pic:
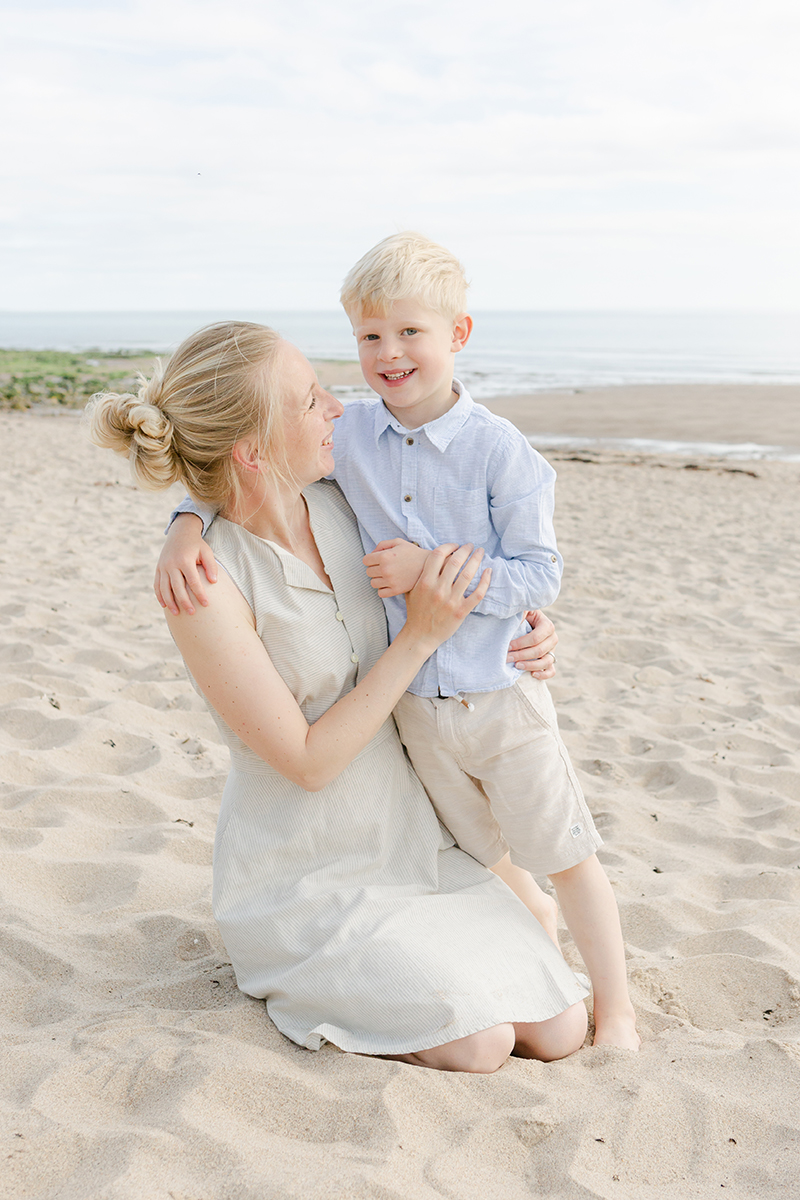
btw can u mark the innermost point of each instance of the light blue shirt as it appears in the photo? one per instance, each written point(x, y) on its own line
point(469, 476)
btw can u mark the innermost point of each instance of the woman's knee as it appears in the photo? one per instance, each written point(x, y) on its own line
point(557, 1038)
point(479, 1053)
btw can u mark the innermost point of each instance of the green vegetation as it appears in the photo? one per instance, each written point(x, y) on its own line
point(55, 377)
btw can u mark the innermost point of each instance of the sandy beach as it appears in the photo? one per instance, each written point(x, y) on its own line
point(132, 1066)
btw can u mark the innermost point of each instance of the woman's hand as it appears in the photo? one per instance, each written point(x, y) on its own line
point(437, 603)
point(231, 667)
point(176, 570)
point(535, 651)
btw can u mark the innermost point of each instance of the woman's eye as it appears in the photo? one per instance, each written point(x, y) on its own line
point(313, 402)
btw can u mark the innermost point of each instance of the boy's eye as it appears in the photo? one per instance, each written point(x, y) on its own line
point(410, 330)
point(370, 337)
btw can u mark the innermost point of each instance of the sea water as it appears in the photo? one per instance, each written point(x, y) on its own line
point(510, 353)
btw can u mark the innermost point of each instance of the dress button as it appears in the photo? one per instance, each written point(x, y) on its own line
point(339, 616)
point(407, 499)
point(353, 658)
point(409, 441)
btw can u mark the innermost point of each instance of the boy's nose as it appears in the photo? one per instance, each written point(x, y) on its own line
point(390, 350)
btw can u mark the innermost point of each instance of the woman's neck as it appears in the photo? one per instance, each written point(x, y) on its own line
point(279, 514)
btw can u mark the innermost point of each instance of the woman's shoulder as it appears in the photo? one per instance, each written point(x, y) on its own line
point(327, 498)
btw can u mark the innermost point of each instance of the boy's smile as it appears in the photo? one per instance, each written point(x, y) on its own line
point(407, 358)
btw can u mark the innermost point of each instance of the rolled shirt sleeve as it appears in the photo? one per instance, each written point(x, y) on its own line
point(188, 505)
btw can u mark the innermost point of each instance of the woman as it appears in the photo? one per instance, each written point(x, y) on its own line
point(339, 897)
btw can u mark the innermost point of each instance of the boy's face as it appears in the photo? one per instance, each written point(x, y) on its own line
point(407, 358)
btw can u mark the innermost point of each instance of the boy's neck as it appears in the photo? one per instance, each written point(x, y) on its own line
point(430, 410)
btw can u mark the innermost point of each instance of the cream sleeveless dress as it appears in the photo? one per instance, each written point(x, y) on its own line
point(350, 910)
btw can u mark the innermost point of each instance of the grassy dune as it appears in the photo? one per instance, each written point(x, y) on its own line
point(55, 377)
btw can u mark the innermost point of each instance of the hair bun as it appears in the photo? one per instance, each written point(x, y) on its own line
point(148, 421)
point(139, 429)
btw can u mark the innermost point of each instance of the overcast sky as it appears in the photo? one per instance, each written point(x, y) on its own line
point(576, 154)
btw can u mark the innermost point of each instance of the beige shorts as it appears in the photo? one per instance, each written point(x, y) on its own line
point(500, 777)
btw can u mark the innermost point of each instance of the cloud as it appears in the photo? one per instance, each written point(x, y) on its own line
point(155, 144)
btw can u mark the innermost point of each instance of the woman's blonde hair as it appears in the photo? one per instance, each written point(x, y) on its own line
point(402, 267)
point(218, 387)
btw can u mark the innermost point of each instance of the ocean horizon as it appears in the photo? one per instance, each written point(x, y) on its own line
point(510, 353)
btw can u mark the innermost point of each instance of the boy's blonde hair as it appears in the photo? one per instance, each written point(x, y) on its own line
point(403, 266)
point(218, 387)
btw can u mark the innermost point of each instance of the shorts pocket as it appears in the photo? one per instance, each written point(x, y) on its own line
point(534, 694)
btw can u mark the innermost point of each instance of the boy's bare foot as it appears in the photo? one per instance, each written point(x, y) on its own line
point(618, 1030)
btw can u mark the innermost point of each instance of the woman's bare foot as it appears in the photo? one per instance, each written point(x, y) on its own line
point(617, 1030)
point(524, 886)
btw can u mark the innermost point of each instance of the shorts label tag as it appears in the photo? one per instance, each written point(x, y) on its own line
point(576, 830)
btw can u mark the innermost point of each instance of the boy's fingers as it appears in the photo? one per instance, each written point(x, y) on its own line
point(182, 598)
point(208, 562)
point(166, 597)
point(195, 583)
point(388, 544)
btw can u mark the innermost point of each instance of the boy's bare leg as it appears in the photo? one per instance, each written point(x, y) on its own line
point(590, 911)
point(523, 885)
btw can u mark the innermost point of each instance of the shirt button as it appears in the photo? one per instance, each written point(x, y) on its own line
point(409, 441)
point(407, 499)
point(339, 616)
point(353, 658)
point(553, 558)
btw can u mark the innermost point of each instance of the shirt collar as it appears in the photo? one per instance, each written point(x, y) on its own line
point(440, 432)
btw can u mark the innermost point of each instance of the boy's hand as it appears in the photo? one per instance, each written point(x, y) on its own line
point(395, 566)
point(176, 570)
point(534, 651)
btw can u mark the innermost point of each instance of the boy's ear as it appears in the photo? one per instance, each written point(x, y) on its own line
point(246, 454)
point(462, 328)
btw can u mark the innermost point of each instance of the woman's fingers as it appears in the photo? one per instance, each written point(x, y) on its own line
point(456, 567)
point(446, 561)
point(480, 590)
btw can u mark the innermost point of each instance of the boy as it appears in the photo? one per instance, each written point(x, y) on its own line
point(428, 466)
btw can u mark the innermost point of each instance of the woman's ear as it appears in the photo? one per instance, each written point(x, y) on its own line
point(247, 455)
point(462, 328)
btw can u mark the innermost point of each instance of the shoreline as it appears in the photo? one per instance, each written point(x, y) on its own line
point(746, 413)
point(710, 419)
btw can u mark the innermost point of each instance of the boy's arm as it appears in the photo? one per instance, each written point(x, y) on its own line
point(526, 572)
point(184, 549)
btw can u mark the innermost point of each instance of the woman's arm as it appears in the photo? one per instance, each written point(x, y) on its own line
point(233, 670)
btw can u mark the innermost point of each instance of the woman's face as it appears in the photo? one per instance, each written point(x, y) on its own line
point(309, 413)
